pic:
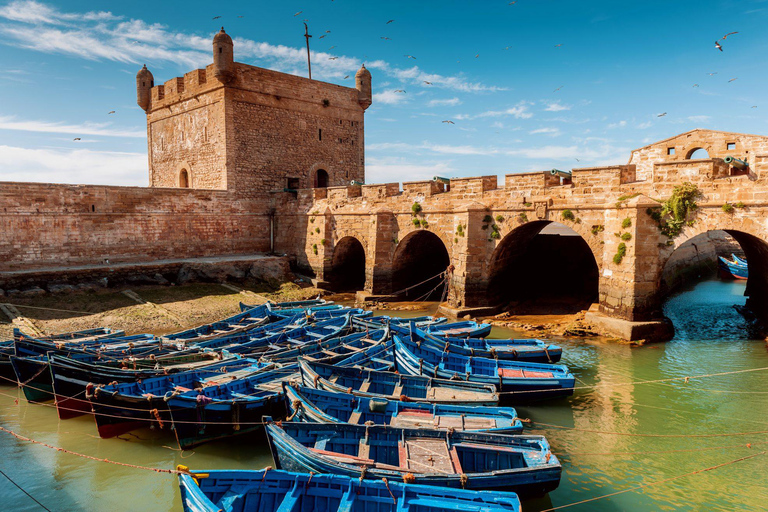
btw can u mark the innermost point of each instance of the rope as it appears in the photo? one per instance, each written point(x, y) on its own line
point(643, 486)
point(418, 284)
point(33, 498)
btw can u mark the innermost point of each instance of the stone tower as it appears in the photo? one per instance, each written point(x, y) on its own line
point(252, 131)
point(144, 83)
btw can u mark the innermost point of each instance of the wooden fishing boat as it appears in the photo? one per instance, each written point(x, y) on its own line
point(328, 349)
point(375, 322)
point(86, 334)
point(72, 378)
point(519, 381)
point(469, 460)
point(25, 345)
point(221, 409)
point(392, 386)
point(733, 269)
point(241, 322)
point(464, 329)
point(241, 341)
point(532, 350)
point(320, 406)
point(123, 407)
point(270, 490)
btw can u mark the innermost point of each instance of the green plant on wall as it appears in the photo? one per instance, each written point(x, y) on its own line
point(495, 234)
point(740, 204)
point(416, 222)
point(314, 248)
point(626, 223)
point(460, 230)
point(620, 253)
point(599, 228)
point(626, 237)
point(317, 230)
point(568, 215)
point(499, 219)
point(487, 219)
point(523, 217)
point(728, 208)
point(322, 242)
point(415, 208)
point(424, 223)
point(677, 211)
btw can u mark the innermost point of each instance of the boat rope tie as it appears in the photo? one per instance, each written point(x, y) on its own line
point(296, 404)
point(362, 473)
point(386, 484)
point(264, 477)
point(317, 377)
point(173, 394)
point(184, 470)
point(44, 368)
point(156, 414)
point(89, 393)
point(493, 353)
point(409, 478)
point(404, 398)
point(549, 359)
point(463, 479)
point(309, 480)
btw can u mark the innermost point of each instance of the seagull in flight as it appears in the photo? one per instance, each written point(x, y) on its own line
point(476, 56)
point(710, 74)
point(332, 58)
point(298, 13)
point(512, 3)
point(662, 114)
point(558, 88)
point(332, 47)
point(76, 138)
point(507, 48)
point(216, 17)
point(390, 21)
point(718, 45)
point(241, 16)
point(346, 77)
point(400, 90)
point(449, 122)
point(410, 57)
point(695, 85)
point(754, 106)
point(732, 79)
point(428, 83)
point(386, 38)
point(322, 36)
point(111, 112)
point(728, 34)
point(558, 45)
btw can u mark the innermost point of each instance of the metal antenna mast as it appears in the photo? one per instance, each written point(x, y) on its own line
point(307, 36)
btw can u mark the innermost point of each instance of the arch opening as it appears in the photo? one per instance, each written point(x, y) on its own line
point(705, 297)
point(421, 255)
point(543, 267)
point(184, 179)
point(347, 271)
point(321, 178)
point(697, 154)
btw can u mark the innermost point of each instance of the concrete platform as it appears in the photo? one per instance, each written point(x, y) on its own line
point(651, 331)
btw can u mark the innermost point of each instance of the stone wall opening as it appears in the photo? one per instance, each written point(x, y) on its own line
point(541, 267)
point(420, 256)
point(321, 178)
point(697, 154)
point(184, 179)
point(710, 303)
point(347, 272)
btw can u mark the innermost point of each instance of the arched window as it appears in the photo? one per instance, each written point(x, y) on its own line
point(321, 179)
point(184, 179)
point(698, 154)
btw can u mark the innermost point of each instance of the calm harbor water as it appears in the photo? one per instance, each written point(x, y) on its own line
point(617, 433)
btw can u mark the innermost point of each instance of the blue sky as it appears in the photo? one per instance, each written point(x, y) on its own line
point(518, 102)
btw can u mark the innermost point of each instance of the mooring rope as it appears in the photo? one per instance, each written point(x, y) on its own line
point(25, 492)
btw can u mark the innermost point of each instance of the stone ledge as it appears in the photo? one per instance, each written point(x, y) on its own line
point(449, 311)
point(653, 331)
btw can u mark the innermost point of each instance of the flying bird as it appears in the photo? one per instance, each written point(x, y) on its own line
point(332, 47)
point(507, 48)
point(512, 3)
point(662, 114)
point(298, 13)
point(710, 74)
point(476, 56)
point(216, 17)
point(327, 31)
point(400, 90)
point(390, 21)
point(385, 38)
point(449, 122)
point(754, 106)
point(695, 85)
point(410, 57)
point(111, 112)
point(346, 77)
point(332, 58)
point(241, 16)
point(322, 36)
point(558, 45)
point(732, 79)
point(76, 138)
point(728, 34)
point(718, 45)
point(558, 88)
point(428, 83)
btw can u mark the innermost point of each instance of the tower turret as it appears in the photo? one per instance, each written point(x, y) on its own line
point(223, 57)
point(144, 83)
point(364, 87)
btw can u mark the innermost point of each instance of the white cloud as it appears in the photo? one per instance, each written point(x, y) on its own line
point(645, 125)
point(620, 124)
point(546, 131)
point(450, 102)
point(73, 166)
point(699, 119)
point(520, 111)
point(104, 36)
point(398, 170)
point(389, 97)
point(102, 129)
point(555, 106)
point(430, 147)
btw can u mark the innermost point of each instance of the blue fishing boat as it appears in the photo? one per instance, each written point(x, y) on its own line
point(534, 351)
point(320, 406)
point(466, 329)
point(374, 322)
point(270, 490)
point(241, 322)
point(393, 386)
point(122, 407)
point(95, 333)
point(328, 349)
point(733, 269)
point(519, 381)
point(468, 460)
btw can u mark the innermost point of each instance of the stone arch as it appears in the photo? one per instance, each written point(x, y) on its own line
point(316, 174)
point(347, 265)
point(697, 153)
point(184, 170)
point(419, 256)
point(184, 178)
point(559, 267)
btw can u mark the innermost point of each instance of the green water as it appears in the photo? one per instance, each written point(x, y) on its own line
point(711, 337)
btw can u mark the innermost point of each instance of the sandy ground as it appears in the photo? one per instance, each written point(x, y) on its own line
point(166, 308)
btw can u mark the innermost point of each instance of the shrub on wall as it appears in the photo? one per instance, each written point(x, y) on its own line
point(626, 223)
point(415, 208)
point(568, 215)
point(620, 253)
point(728, 208)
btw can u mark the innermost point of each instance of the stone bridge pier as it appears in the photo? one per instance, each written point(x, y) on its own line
point(588, 236)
